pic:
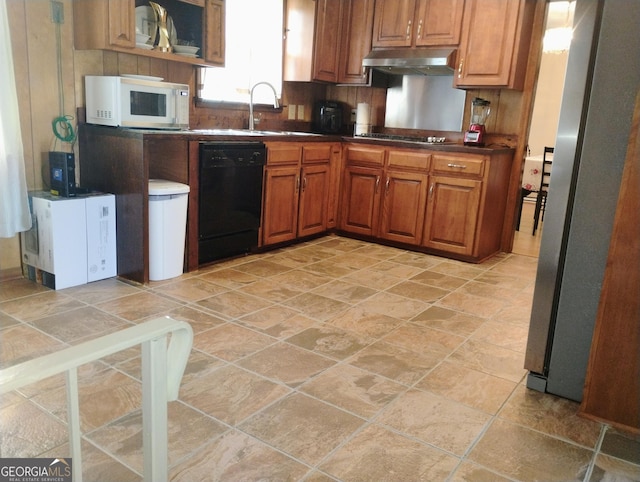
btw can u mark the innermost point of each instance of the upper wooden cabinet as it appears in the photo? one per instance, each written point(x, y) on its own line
point(326, 50)
point(357, 25)
point(496, 36)
point(417, 23)
point(111, 25)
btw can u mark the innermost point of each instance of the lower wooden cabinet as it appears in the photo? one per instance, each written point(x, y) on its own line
point(452, 214)
point(450, 203)
point(361, 200)
point(403, 206)
point(297, 189)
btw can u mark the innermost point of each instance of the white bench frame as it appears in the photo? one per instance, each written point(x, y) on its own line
point(162, 370)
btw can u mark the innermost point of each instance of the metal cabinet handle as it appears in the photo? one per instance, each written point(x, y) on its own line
point(408, 29)
point(460, 65)
point(297, 184)
point(386, 186)
point(377, 183)
point(420, 29)
point(304, 183)
point(431, 190)
point(456, 166)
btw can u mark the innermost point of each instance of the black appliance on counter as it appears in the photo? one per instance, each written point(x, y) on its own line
point(230, 198)
point(327, 117)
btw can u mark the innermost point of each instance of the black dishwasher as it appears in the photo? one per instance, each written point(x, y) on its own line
point(230, 198)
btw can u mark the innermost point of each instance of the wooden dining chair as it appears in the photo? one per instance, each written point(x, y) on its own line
point(541, 198)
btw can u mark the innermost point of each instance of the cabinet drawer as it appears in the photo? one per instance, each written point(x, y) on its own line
point(364, 155)
point(315, 154)
point(465, 166)
point(283, 153)
point(410, 159)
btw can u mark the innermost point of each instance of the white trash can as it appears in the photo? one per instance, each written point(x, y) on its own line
point(167, 228)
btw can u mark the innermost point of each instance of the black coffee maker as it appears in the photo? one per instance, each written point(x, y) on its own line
point(327, 117)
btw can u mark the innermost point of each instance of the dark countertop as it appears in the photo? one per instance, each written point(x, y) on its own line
point(288, 136)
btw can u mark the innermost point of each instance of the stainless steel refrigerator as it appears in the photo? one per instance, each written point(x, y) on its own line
point(602, 80)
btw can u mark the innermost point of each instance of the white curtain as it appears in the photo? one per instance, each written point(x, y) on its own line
point(14, 202)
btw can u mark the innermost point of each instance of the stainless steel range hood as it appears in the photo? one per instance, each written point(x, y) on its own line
point(422, 61)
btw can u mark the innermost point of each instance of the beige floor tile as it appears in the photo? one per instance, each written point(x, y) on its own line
point(81, 323)
point(229, 278)
point(199, 320)
point(470, 472)
point(285, 328)
point(379, 251)
point(417, 260)
point(353, 389)
point(6, 321)
point(28, 431)
point(315, 306)
point(302, 427)
point(230, 341)
point(103, 290)
point(262, 268)
point(524, 454)
point(268, 317)
point(232, 304)
point(329, 268)
point(18, 288)
point(394, 362)
point(97, 466)
point(372, 278)
point(435, 420)
point(503, 280)
point(231, 394)
point(471, 304)
point(103, 397)
point(421, 339)
point(39, 305)
point(299, 280)
point(609, 468)
point(186, 429)
point(287, 364)
point(623, 445)
point(20, 343)
point(418, 291)
point(138, 306)
point(396, 269)
point(394, 305)
point(491, 359)
point(377, 454)
point(448, 320)
point(330, 341)
point(270, 290)
point(367, 323)
point(439, 280)
point(507, 335)
point(470, 387)
point(237, 457)
point(344, 291)
point(459, 270)
point(551, 415)
point(488, 290)
point(190, 289)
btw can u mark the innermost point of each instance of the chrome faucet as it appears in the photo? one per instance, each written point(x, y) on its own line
point(276, 104)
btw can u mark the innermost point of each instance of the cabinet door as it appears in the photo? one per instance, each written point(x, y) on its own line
point(314, 196)
point(393, 23)
point(439, 22)
point(357, 29)
point(122, 23)
point(361, 200)
point(452, 214)
point(326, 51)
point(280, 206)
point(214, 45)
point(488, 44)
point(403, 206)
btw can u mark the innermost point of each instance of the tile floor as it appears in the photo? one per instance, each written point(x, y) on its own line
point(334, 359)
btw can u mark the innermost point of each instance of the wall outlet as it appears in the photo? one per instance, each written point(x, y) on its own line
point(353, 116)
point(301, 112)
point(57, 12)
point(292, 112)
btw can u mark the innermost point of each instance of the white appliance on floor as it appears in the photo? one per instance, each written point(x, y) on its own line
point(72, 240)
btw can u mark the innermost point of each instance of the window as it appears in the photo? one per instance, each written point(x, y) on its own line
point(254, 30)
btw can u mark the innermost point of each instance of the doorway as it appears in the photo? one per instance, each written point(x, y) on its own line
point(546, 112)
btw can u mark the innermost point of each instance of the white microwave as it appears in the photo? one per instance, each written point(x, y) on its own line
point(136, 101)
